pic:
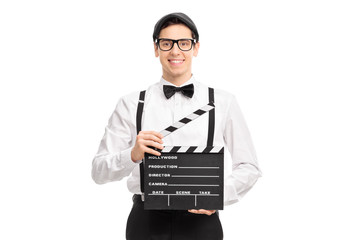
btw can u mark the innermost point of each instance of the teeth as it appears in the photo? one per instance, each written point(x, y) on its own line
point(176, 61)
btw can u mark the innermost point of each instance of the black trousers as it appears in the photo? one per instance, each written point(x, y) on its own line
point(171, 224)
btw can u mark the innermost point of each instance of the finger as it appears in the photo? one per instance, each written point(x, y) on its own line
point(149, 143)
point(202, 211)
point(152, 151)
point(207, 211)
point(195, 211)
point(157, 134)
point(151, 137)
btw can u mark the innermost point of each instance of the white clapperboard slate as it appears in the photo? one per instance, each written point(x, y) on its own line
point(185, 177)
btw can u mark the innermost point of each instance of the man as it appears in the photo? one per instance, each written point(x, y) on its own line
point(176, 42)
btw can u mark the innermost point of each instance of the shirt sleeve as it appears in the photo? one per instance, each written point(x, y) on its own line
point(245, 169)
point(113, 159)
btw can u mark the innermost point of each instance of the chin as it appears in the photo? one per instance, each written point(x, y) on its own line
point(177, 74)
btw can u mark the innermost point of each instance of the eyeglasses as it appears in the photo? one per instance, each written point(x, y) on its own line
point(166, 44)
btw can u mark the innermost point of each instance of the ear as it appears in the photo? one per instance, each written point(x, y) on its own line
point(196, 49)
point(156, 49)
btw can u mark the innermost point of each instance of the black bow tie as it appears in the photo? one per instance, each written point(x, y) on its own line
point(187, 90)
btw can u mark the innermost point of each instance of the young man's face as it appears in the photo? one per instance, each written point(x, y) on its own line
point(176, 64)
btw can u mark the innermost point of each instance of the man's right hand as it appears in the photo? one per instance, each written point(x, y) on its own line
point(144, 140)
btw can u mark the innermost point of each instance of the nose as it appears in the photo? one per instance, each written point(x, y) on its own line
point(175, 50)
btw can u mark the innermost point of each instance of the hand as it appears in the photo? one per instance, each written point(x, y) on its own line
point(202, 211)
point(144, 140)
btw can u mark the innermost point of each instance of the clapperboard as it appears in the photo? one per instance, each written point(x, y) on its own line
point(185, 177)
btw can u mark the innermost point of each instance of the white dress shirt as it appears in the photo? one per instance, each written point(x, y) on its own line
point(113, 160)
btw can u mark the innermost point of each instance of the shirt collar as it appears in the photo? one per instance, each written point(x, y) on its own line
point(165, 82)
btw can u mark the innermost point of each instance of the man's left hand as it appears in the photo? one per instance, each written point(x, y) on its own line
point(202, 211)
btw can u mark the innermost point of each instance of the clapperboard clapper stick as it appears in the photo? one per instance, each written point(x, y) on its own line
point(175, 126)
point(185, 177)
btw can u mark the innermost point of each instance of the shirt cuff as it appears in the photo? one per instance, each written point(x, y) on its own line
point(125, 157)
point(231, 196)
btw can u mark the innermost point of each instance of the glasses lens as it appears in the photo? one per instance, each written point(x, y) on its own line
point(165, 44)
point(185, 44)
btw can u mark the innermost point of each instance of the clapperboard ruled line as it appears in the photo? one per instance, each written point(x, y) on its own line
point(192, 176)
point(192, 185)
point(184, 177)
point(200, 167)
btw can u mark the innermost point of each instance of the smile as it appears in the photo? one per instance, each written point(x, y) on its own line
point(176, 61)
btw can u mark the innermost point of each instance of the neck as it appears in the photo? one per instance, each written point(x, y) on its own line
point(177, 80)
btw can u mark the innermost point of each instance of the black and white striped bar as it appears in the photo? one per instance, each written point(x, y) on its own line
point(192, 149)
point(175, 126)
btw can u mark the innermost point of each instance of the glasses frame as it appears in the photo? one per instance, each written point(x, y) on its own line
point(173, 43)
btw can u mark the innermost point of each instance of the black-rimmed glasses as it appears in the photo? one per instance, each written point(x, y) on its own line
point(166, 44)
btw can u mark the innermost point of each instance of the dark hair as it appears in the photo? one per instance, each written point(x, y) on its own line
point(174, 21)
point(175, 18)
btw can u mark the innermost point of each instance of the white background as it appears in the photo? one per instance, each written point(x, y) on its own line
point(293, 65)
